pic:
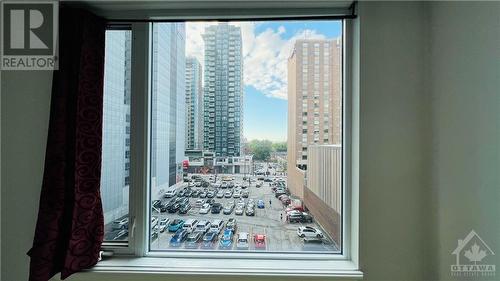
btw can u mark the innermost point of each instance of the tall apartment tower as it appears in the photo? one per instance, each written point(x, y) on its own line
point(194, 104)
point(115, 173)
point(223, 90)
point(314, 102)
point(168, 104)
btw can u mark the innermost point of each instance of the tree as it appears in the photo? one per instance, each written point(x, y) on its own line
point(280, 146)
point(261, 149)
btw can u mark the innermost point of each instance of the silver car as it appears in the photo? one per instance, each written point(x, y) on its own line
point(242, 242)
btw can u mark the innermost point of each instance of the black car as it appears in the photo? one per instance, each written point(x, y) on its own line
point(174, 207)
point(210, 201)
point(156, 204)
point(188, 193)
point(250, 212)
point(216, 208)
point(184, 208)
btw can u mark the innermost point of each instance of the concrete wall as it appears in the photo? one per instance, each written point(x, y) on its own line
point(428, 170)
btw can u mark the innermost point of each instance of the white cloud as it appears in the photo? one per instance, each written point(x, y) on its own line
point(265, 54)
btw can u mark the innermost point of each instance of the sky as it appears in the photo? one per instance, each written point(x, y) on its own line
point(266, 48)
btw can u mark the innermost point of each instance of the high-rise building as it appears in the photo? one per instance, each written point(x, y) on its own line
point(314, 103)
point(194, 104)
point(168, 104)
point(115, 164)
point(223, 90)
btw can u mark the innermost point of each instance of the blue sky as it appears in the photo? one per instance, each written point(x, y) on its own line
point(266, 48)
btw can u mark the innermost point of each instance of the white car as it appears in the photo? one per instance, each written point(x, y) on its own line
point(164, 224)
point(308, 231)
point(242, 242)
point(205, 208)
point(220, 194)
point(120, 224)
point(239, 210)
point(203, 226)
point(237, 194)
point(199, 203)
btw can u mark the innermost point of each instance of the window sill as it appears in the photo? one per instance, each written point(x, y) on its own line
point(236, 267)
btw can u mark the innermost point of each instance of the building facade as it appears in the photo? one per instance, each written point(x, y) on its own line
point(194, 104)
point(323, 188)
point(115, 163)
point(168, 105)
point(314, 102)
point(223, 90)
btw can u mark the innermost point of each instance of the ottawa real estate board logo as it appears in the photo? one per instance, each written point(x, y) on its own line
point(29, 35)
point(471, 257)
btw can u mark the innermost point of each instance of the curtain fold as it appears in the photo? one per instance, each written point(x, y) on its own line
point(70, 226)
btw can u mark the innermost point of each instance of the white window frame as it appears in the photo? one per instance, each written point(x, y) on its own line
point(135, 256)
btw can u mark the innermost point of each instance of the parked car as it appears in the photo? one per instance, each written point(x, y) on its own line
point(211, 201)
point(190, 225)
point(228, 194)
point(294, 208)
point(259, 241)
point(228, 209)
point(297, 216)
point(216, 226)
point(211, 194)
point(237, 194)
point(260, 204)
point(156, 204)
point(154, 234)
point(242, 242)
point(175, 225)
point(170, 193)
point(193, 239)
point(258, 185)
point(154, 222)
point(244, 194)
point(203, 194)
point(226, 241)
point(209, 240)
point(199, 203)
point(163, 224)
point(250, 211)
point(179, 237)
point(184, 208)
point(216, 208)
point(220, 194)
point(121, 234)
point(308, 231)
point(239, 210)
point(231, 224)
point(120, 223)
point(202, 226)
point(205, 208)
point(195, 194)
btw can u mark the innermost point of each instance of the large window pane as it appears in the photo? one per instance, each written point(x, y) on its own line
point(239, 158)
point(115, 171)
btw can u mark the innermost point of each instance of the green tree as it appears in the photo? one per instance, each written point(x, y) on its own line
point(280, 146)
point(261, 149)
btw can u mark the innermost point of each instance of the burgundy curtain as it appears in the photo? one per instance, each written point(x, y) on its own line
point(70, 225)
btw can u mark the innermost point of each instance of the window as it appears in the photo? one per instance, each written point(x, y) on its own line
point(115, 167)
point(205, 204)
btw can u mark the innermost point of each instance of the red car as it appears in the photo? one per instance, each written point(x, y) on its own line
point(259, 241)
point(294, 208)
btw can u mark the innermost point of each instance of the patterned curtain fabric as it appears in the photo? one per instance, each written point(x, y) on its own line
point(69, 230)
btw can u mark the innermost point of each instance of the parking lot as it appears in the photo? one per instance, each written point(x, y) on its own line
point(281, 236)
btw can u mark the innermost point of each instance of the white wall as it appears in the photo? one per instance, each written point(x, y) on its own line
point(465, 89)
point(428, 147)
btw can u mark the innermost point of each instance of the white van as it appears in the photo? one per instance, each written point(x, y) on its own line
point(190, 225)
point(170, 193)
point(216, 226)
